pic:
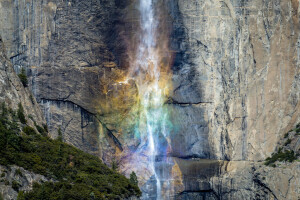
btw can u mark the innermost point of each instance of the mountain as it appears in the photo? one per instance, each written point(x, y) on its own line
point(233, 100)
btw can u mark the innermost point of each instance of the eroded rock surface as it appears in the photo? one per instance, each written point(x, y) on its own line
point(216, 179)
point(235, 83)
point(12, 92)
point(238, 64)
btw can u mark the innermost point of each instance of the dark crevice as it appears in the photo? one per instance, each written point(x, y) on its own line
point(66, 101)
point(204, 192)
point(175, 102)
point(109, 132)
point(111, 135)
point(67, 124)
point(257, 181)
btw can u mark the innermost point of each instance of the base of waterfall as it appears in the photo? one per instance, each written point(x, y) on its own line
point(185, 179)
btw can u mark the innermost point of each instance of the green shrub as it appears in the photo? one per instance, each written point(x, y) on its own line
point(286, 135)
point(21, 195)
point(45, 127)
point(4, 110)
point(31, 99)
point(20, 114)
point(31, 117)
point(288, 142)
point(114, 165)
point(1, 197)
point(60, 136)
point(287, 156)
point(2, 175)
point(23, 77)
point(29, 130)
point(273, 165)
point(41, 130)
point(15, 185)
point(19, 173)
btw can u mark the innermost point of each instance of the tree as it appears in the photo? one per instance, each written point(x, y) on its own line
point(20, 114)
point(114, 165)
point(60, 136)
point(4, 110)
point(23, 77)
point(133, 178)
point(92, 195)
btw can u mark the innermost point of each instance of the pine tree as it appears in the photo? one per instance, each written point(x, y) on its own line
point(21, 115)
point(114, 165)
point(60, 136)
point(23, 77)
point(133, 178)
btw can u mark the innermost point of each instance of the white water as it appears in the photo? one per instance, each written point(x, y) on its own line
point(147, 74)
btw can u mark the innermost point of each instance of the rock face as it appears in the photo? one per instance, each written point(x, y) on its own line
point(12, 92)
point(69, 50)
point(215, 179)
point(236, 75)
point(239, 180)
point(19, 177)
point(235, 83)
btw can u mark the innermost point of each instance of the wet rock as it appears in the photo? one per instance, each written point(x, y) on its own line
point(216, 179)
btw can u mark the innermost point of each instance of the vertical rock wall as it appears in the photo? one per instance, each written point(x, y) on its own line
point(72, 52)
point(235, 80)
point(12, 92)
point(236, 76)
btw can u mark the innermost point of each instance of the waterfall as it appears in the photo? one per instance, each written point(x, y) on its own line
point(147, 72)
point(147, 61)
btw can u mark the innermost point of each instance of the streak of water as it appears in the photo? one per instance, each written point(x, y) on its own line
point(147, 74)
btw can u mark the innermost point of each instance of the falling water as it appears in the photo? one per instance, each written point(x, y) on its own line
point(151, 97)
point(147, 72)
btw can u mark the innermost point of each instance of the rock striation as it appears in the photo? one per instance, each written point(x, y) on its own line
point(236, 75)
point(12, 92)
point(235, 82)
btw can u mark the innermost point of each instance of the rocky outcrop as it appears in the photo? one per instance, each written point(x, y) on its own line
point(14, 179)
point(12, 92)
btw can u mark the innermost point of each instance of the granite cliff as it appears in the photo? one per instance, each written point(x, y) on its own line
point(235, 78)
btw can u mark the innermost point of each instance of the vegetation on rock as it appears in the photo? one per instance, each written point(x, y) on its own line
point(133, 178)
point(23, 77)
point(77, 175)
point(15, 185)
point(114, 165)
point(21, 115)
point(287, 156)
point(287, 151)
point(59, 135)
point(41, 130)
